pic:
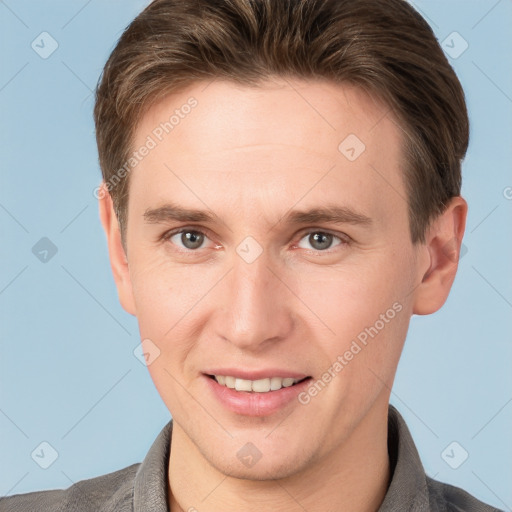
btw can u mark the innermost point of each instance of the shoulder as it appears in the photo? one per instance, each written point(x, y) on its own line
point(105, 493)
point(448, 498)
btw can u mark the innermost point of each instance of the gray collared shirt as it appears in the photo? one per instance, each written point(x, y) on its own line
point(143, 487)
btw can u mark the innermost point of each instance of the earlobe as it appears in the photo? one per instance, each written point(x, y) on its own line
point(117, 255)
point(443, 244)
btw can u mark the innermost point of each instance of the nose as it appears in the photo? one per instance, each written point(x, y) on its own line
point(255, 305)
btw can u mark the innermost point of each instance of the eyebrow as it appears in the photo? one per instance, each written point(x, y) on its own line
point(328, 213)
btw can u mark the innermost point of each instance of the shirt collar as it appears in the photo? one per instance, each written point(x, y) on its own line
point(407, 489)
point(408, 486)
point(150, 491)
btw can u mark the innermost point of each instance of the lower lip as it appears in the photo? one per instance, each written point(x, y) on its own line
point(252, 403)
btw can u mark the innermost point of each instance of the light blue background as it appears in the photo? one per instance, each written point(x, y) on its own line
point(67, 369)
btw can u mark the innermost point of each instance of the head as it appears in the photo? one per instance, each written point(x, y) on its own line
point(259, 118)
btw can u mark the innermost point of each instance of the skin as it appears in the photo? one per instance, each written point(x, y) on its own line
point(249, 155)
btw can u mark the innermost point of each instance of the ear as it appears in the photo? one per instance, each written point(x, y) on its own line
point(117, 255)
point(442, 245)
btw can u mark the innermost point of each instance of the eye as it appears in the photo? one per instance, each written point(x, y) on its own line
point(189, 239)
point(320, 240)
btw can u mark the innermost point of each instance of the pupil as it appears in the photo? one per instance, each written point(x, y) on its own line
point(322, 240)
point(191, 239)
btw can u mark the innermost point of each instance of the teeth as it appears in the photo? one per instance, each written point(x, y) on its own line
point(257, 386)
point(276, 383)
point(261, 386)
point(243, 385)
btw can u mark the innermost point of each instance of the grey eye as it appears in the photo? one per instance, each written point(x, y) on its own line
point(319, 240)
point(190, 239)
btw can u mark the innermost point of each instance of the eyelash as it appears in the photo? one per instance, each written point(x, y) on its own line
point(344, 239)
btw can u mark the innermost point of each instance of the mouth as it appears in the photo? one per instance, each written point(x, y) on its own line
point(267, 393)
point(265, 385)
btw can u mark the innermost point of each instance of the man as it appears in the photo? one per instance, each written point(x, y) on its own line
point(281, 193)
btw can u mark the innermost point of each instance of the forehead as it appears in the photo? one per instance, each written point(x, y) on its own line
point(264, 112)
point(301, 140)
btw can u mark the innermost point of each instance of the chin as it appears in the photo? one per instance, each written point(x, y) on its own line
point(258, 461)
point(263, 470)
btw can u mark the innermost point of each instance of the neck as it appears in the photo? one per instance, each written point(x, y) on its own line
point(353, 476)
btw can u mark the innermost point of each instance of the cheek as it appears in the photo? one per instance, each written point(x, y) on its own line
point(174, 303)
point(347, 299)
point(165, 300)
point(363, 311)
point(162, 292)
point(161, 296)
point(369, 315)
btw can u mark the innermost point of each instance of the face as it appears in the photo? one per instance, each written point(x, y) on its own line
point(268, 238)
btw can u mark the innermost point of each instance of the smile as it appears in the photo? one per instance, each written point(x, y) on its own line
point(257, 386)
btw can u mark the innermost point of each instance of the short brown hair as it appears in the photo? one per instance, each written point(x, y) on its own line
point(382, 46)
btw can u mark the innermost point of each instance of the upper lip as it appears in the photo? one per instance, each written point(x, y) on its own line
point(266, 373)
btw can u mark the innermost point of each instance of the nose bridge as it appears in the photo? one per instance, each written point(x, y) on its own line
point(255, 309)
